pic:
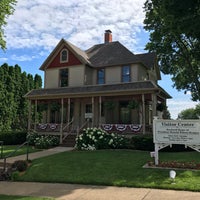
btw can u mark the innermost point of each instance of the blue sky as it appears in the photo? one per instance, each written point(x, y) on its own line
point(37, 26)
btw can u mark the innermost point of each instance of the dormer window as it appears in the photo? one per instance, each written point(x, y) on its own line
point(64, 56)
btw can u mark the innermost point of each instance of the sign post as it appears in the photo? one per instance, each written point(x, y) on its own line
point(169, 132)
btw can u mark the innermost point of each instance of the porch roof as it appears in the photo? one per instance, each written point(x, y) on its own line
point(98, 90)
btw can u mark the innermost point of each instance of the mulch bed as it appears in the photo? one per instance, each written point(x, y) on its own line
point(173, 165)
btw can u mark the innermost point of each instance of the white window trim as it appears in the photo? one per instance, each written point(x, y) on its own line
point(64, 61)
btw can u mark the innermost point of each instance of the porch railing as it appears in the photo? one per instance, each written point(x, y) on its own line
point(122, 128)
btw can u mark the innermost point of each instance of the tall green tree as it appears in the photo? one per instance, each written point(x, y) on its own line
point(14, 84)
point(174, 36)
point(6, 9)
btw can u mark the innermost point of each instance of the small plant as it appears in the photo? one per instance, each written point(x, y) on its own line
point(31, 137)
point(109, 105)
point(41, 141)
point(133, 104)
point(44, 142)
point(20, 165)
point(161, 107)
point(15, 175)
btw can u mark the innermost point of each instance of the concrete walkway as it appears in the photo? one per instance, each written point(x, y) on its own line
point(39, 154)
point(87, 192)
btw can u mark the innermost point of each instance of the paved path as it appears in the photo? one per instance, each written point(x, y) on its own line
point(39, 154)
point(87, 192)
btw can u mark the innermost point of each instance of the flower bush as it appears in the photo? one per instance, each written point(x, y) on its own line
point(94, 138)
point(42, 141)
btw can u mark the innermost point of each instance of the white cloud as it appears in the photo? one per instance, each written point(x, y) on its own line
point(2, 59)
point(22, 58)
point(43, 23)
point(176, 106)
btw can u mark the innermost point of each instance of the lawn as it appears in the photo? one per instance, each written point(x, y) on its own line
point(112, 167)
point(7, 149)
point(8, 197)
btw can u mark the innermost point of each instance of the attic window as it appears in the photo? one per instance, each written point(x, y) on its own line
point(64, 56)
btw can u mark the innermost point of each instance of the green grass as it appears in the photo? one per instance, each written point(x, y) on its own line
point(7, 149)
point(112, 167)
point(8, 197)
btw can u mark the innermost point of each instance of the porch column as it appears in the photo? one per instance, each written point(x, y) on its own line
point(61, 122)
point(154, 103)
point(29, 115)
point(143, 113)
point(92, 111)
point(35, 120)
point(68, 109)
point(100, 102)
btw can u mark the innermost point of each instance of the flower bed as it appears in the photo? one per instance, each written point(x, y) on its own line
point(175, 164)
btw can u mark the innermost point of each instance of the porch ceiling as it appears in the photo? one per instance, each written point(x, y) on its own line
point(97, 90)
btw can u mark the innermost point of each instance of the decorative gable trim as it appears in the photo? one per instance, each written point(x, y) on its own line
point(75, 56)
point(57, 62)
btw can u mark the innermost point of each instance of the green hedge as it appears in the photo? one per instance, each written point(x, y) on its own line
point(145, 143)
point(13, 138)
point(142, 142)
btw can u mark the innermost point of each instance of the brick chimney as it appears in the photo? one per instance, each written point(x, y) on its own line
point(108, 36)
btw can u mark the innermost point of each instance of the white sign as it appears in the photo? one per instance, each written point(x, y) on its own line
point(177, 132)
point(88, 115)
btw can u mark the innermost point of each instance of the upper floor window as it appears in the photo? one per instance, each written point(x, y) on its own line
point(126, 74)
point(64, 77)
point(64, 55)
point(100, 76)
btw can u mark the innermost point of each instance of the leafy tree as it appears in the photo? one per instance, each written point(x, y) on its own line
point(6, 9)
point(174, 36)
point(190, 113)
point(14, 84)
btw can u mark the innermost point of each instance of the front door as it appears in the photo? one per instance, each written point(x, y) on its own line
point(125, 114)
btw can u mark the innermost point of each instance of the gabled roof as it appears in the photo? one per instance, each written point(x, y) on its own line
point(150, 60)
point(103, 55)
point(81, 55)
point(110, 54)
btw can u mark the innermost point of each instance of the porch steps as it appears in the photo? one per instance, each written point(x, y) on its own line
point(69, 141)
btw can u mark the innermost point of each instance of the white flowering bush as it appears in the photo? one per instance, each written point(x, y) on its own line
point(94, 138)
point(42, 141)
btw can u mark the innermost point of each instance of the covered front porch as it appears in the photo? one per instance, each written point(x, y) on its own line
point(121, 108)
point(129, 114)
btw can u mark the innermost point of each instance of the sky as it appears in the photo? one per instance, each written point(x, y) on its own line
point(36, 27)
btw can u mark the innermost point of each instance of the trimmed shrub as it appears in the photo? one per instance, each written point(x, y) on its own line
point(42, 141)
point(143, 142)
point(20, 165)
point(31, 137)
point(94, 138)
point(45, 142)
point(13, 138)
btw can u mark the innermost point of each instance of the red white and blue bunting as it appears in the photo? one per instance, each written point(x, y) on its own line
point(46, 126)
point(122, 127)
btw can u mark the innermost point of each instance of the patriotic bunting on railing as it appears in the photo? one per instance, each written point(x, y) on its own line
point(107, 127)
point(45, 126)
point(122, 127)
point(52, 126)
point(135, 127)
point(42, 126)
